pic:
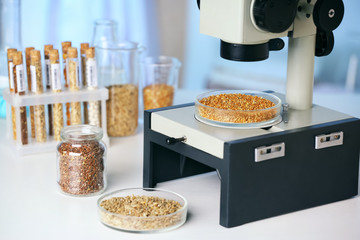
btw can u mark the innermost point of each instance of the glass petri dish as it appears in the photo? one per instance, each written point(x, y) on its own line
point(245, 119)
point(143, 224)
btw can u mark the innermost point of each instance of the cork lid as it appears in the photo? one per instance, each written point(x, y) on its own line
point(90, 52)
point(10, 52)
point(35, 56)
point(65, 46)
point(72, 52)
point(18, 58)
point(27, 52)
point(47, 48)
point(53, 54)
point(83, 47)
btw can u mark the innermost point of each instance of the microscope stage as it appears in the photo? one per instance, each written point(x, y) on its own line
point(180, 121)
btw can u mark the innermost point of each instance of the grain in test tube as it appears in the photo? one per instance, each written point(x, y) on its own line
point(83, 48)
point(10, 63)
point(10, 53)
point(55, 76)
point(48, 85)
point(28, 76)
point(74, 84)
point(20, 89)
point(92, 83)
point(65, 46)
point(37, 88)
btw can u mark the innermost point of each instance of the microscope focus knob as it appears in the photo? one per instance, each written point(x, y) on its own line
point(274, 16)
point(328, 14)
point(324, 43)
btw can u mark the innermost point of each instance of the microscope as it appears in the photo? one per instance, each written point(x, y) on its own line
point(309, 159)
point(249, 29)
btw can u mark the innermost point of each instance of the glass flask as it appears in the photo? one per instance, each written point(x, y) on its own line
point(118, 71)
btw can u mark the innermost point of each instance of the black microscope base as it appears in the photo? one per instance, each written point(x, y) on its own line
point(305, 177)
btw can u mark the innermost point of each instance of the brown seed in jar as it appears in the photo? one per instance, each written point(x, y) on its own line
point(81, 167)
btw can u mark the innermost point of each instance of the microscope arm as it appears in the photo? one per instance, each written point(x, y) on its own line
point(300, 72)
point(327, 16)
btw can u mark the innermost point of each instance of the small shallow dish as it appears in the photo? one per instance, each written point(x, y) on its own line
point(228, 118)
point(143, 224)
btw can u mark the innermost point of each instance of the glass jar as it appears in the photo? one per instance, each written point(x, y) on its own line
point(118, 71)
point(81, 157)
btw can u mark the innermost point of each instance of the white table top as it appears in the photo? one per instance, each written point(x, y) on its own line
point(32, 207)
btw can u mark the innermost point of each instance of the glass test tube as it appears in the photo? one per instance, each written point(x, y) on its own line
point(10, 54)
point(20, 89)
point(55, 76)
point(83, 48)
point(48, 85)
point(92, 83)
point(28, 76)
point(37, 88)
point(74, 84)
point(65, 46)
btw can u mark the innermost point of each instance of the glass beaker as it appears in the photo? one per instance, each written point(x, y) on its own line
point(159, 80)
point(118, 71)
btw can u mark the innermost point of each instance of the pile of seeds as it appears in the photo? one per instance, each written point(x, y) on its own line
point(122, 110)
point(236, 108)
point(237, 101)
point(158, 95)
point(149, 209)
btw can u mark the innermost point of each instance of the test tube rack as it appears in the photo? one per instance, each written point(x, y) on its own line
point(48, 97)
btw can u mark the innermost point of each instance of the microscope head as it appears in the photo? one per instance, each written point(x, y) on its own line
point(249, 29)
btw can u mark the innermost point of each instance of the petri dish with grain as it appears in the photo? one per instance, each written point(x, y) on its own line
point(238, 109)
point(142, 210)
